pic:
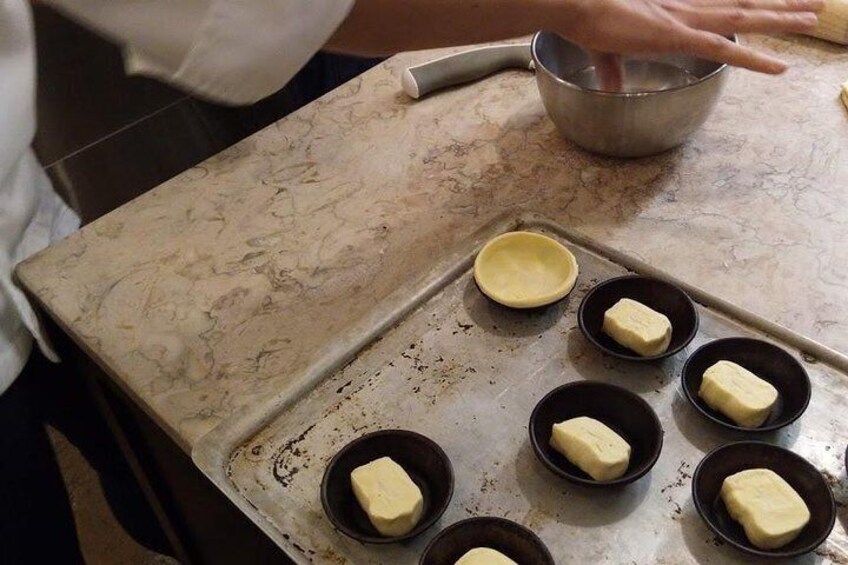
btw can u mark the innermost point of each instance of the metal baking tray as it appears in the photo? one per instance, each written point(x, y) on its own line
point(439, 358)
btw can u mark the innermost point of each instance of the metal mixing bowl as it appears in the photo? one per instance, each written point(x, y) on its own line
point(666, 98)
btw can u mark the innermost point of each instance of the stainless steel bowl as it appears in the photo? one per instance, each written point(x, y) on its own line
point(666, 98)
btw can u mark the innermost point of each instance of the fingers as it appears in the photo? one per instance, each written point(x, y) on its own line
point(720, 49)
point(735, 20)
point(773, 5)
point(609, 70)
point(709, 20)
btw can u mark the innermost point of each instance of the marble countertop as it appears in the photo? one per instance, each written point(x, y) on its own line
point(206, 294)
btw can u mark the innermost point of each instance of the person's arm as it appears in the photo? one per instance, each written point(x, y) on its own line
point(376, 27)
point(239, 51)
point(385, 27)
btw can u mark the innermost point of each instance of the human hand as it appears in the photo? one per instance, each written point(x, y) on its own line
point(608, 28)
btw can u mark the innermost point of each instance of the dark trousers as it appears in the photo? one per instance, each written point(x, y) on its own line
point(36, 523)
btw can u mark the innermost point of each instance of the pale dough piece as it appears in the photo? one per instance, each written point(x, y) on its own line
point(637, 327)
point(525, 270)
point(485, 556)
point(391, 499)
point(738, 393)
point(833, 22)
point(770, 510)
point(844, 94)
point(591, 445)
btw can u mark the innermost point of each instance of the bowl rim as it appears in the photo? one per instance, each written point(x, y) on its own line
point(692, 396)
point(636, 357)
point(423, 525)
point(490, 519)
point(750, 549)
point(557, 470)
point(542, 300)
point(606, 93)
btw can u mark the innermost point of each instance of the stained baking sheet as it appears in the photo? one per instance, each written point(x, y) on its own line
point(446, 362)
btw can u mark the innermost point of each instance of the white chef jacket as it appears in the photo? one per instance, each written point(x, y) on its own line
point(30, 212)
point(230, 51)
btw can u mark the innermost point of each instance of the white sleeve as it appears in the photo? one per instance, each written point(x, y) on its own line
point(230, 51)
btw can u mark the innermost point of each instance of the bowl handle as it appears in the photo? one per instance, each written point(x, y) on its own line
point(464, 67)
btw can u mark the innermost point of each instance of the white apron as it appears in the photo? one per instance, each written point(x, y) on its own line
point(30, 212)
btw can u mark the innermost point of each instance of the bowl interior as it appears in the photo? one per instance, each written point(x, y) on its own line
point(661, 296)
point(513, 540)
point(801, 476)
point(767, 361)
point(621, 410)
point(570, 63)
point(425, 462)
point(525, 269)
